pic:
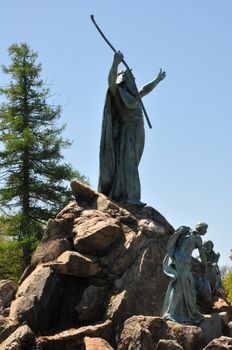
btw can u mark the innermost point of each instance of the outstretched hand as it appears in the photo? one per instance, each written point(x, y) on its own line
point(161, 75)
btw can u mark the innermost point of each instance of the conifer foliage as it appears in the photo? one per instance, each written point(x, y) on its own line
point(227, 281)
point(31, 168)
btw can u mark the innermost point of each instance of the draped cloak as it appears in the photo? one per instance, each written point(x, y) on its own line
point(121, 147)
point(180, 300)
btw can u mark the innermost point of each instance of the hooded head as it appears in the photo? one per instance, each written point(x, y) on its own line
point(126, 78)
point(208, 245)
point(201, 228)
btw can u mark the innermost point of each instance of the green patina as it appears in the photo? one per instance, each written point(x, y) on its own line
point(122, 139)
point(180, 299)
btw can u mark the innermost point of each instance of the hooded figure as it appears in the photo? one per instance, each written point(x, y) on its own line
point(180, 300)
point(122, 139)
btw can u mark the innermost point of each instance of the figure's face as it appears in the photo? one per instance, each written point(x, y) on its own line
point(202, 230)
point(208, 246)
point(127, 77)
point(129, 80)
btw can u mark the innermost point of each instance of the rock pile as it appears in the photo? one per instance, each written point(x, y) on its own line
point(97, 269)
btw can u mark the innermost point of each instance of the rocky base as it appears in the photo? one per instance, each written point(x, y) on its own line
point(142, 332)
point(97, 269)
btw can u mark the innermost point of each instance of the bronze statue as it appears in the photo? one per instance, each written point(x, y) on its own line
point(180, 300)
point(122, 139)
point(213, 272)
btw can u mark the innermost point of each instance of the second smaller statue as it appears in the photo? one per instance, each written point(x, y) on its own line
point(180, 300)
point(213, 272)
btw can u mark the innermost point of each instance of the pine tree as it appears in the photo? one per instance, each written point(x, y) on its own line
point(32, 172)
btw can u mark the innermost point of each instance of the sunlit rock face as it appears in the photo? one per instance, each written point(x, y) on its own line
point(96, 280)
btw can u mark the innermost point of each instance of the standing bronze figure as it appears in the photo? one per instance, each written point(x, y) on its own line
point(180, 300)
point(122, 139)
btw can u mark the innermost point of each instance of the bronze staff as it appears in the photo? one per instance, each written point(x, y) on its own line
point(127, 67)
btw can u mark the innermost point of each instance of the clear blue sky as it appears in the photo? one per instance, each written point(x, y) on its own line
point(186, 169)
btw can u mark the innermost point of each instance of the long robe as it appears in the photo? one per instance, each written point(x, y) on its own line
point(180, 299)
point(121, 148)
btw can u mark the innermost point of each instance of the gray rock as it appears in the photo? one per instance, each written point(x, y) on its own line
point(116, 306)
point(76, 264)
point(21, 336)
point(95, 232)
point(212, 327)
point(142, 332)
point(74, 288)
point(92, 305)
point(8, 289)
point(224, 318)
point(151, 228)
point(70, 212)
point(120, 213)
point(222, 343)
point(14, 345)
point(142, 339)
point(37, 299)
point(117, 261)
point(6, 312)
point(221, 305)
point(71, 338)
point(7, 327)
point(82, 192)
point(165, 344)
point(96, 344)
point(189, 337)
point(230, 329)
point(56, 239)
point(61, 226)
point(150, 213)
point(50, 250)
point(123, 275)
point(58, 229)
point(142, 287)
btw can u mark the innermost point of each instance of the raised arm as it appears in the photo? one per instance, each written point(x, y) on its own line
point(150, 86)
point(118, 57)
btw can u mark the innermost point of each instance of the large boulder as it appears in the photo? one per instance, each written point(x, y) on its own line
point(71, 338)
point(129, 244)
point(221, 305)
point(167, 344)
point(140, 290)
point(212, 327)
point(222, 343)
point(142, 332)
point(92, 304)
point(21, 338)
point(98, 264)
point(8, 290)
point(38, 299)
point(189, 337)
point(230, 329)
point(96, 344)
point(96, 281)
point(49, 250)
point(82, 192)
point(75, 264)
point(7, 327)
point(146, 332)
point(94, 231)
